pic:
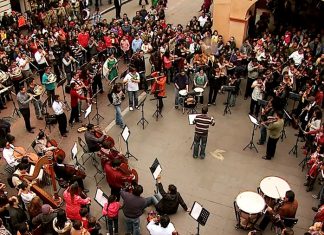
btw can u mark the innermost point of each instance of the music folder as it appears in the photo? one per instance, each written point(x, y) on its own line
point(191, 118)
point(100, 197)
point(199, 213)
point(156, 168)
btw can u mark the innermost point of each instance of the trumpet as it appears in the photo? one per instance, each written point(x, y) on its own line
point(74, 60)
point(82, 48)
point(31, 96)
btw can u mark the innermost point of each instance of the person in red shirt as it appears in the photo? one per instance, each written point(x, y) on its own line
point(83, 39)
point(116, 179)
point(74, 104)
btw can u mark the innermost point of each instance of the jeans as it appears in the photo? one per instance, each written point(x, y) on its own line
point(113, 223)
point(254, 107)
point(132, 225)
point(200, 140)
point(271, 147)
point(151, 201)
point(38, 107)
point(119, 117)
point(133, 99)
point(263, 134)
point(74, 114)
point(176, 97)
point(212, 94)
point(232, 99)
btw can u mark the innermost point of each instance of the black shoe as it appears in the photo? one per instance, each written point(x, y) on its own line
point(314, 208)
point(39, 118)
point(306, 184)
point(266, 158)
point(260, 143)
point(31, 131)
point(32, 128)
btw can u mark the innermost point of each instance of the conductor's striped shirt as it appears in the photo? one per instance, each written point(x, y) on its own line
point(202, 122)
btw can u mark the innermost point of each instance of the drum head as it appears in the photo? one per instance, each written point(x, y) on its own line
point(274, 187)
point(250, 202)
point(199, 89)
point(183, 92)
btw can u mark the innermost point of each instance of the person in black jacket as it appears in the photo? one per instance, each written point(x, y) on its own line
point(45, 219)
point(170, 200)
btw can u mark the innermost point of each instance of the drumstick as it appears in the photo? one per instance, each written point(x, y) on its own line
point(278, 192)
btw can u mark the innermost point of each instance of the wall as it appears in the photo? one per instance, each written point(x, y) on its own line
point(5, 6)
point(230, 18)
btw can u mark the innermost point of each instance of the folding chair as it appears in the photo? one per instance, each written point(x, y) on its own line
point(85, 150)
point(100, 171)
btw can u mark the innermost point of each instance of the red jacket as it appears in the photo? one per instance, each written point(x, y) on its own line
point(75, 97)
point(115, 178)
point(73, 207)
point(108, 41)
point(83, 39)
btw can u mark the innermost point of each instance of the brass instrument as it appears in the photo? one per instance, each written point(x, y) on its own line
point(38, 90)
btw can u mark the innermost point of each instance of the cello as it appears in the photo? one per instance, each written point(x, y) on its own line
point(58, 151)
point(108, 140)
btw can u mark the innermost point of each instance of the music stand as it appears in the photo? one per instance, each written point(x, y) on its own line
point(191, 118)
point(74, 152)
point(199, 214)
point(255, 123)
point(229, 90)
point(97, 116)
point(156, 170)
point(61, 83)
point(125, 135)
point(295, 97)
point(157, 112)
point(286, 120)
point(87, 113)
point(101, 198)
point(142, 120)
point(15, 110)
point(294, 149)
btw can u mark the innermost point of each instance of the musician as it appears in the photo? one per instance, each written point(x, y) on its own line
point(15, 75)
point(94, 70)
point(16, 177)
point(200, 80)
point(116, 178)
point(253, 73)
point(170, 200)
point(287, 209)
point(69, 173)
point(49, 85)
point(181, 82)
point(202, 123)
point(45, 220)
point(117, 96)
point(41, 144)
point(23, 100)
point(159, 88)
point(24, 64)
point(257, 94)
point(111, 66)
point(297, 56)
point(5, 135)
point(94, 143)
point(8, 154)
point(41, 61)
point(74, 104)
point(132, 79)
point(58, 108)
point(68, 66)
point(140, 66)
point(274, 132)
point(161, 225)
point(36, 101)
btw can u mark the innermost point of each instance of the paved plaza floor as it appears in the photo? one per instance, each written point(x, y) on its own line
point(215, 181)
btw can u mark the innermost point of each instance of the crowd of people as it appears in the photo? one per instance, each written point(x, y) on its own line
point(77, 54)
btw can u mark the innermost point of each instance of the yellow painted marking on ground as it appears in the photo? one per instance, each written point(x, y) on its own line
point(218, 154)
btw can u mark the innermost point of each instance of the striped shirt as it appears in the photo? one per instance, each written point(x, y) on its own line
point(202, 122)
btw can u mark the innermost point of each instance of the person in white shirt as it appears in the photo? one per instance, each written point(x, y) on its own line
point(58, 108)
point(297, 56)
point(25, 193)
point(163, 227)
point(8, 154)
point(132, 79)
point(258, 88)
point(24, 63)
point(41, 61)
point(202, 19)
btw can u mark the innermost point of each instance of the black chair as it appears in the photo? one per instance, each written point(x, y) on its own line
point(290, 222)
point(85, 151)
point(100, 171)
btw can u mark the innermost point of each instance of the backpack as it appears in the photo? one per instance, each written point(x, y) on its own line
point(9, 180)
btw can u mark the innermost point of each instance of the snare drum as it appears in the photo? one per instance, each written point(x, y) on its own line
point(273, 188)
point(183, 93)
point(199, 91)
point(248, 209)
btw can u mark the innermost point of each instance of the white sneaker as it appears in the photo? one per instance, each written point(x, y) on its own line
point(131, 109)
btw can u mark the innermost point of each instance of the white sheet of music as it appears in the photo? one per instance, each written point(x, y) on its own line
point(74, 150)
point(196, 210)
point(157, 171)
point(100, 198)
point(88, 111)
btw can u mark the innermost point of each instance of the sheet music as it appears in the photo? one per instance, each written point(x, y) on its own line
point(157, 171)
point(74, 150)
point(191, 118)
point(196, 210)
point(253, 120)
point(100, 197)
point(125, 133)
point(88, 111)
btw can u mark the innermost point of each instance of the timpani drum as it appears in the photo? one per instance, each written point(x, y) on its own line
point(199, 91)
point(183, 93)
point(249, 207)
point(273, 189)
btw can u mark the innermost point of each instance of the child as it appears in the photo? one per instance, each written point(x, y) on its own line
point(117, 97)
point(84, 217)
point(94, 226)
point(110, 210)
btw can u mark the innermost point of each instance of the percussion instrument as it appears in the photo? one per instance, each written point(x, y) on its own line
point(38, 90)
point(248, 208)
point(183, 93)
point(3, 76)
point(51, 78)
point(199, 91)
point(273, 189)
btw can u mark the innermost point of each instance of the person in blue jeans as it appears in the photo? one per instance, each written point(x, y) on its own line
point(202, 122)
point(118, 96)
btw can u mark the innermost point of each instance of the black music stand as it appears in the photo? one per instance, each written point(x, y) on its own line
point(61, 83)
point(87, 113)
point(74, 152)
point(142, 120)
point(199, 214)
point(97, 116)
point(125, 135)
point(287, 118)
point(157, 112)
point(101, 198)
point(229, 90)
point(15, 110)
point(255, 123)
point(156, 170)
point(294, 149)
